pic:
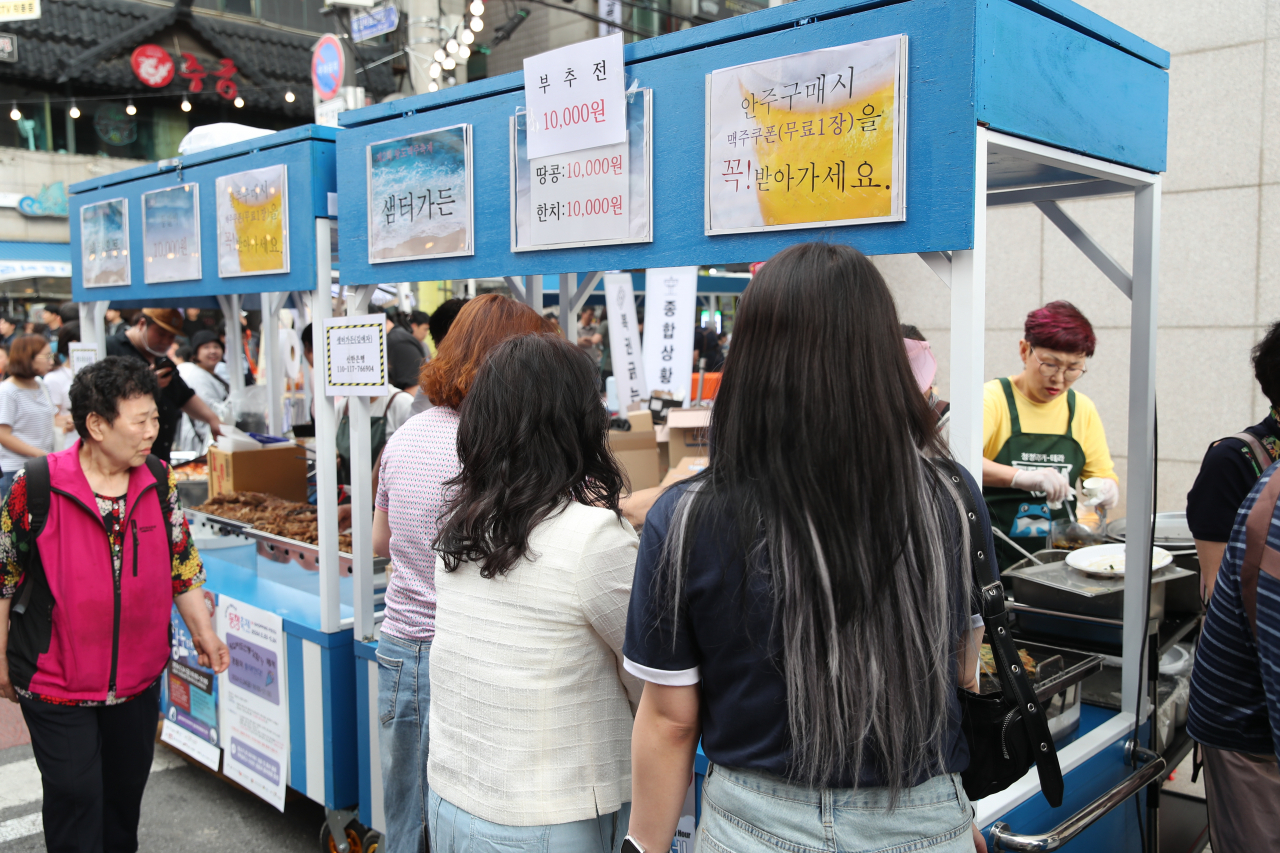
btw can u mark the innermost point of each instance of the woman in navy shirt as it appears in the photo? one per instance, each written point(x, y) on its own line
point(802, 605)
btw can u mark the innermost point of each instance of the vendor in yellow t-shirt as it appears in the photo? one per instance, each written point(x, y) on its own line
point(1041, 438)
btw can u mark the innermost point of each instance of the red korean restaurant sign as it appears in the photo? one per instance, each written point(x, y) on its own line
point(155, 67)
point(152, 65)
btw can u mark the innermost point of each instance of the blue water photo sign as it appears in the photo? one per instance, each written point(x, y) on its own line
point(171, 234)
point(420, 196)
point(104, 243)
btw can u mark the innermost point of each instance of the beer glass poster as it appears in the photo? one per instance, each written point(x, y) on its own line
point(420, 196)
point(104, 243)
point(253, 215)
point(171, 234)
point(814, 138)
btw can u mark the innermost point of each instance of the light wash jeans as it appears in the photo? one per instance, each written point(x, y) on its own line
point(749, 812)
point(456, 831)
point(404, 706)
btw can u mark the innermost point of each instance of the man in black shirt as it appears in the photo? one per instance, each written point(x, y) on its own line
point(1233, 465)
point(148, 339)
point(405, 354)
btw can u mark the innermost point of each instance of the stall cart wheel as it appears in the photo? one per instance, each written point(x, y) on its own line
point(328, 844)
point(373, 841)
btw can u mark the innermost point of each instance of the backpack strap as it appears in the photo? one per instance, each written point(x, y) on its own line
point(39, 487)
point(161, 472)
point(1259, 556)
point(995, 617)
point(1261, 457)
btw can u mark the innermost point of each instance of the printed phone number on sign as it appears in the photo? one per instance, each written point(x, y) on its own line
point(608, 206)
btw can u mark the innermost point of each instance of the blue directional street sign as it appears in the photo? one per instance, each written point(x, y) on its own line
point(383, 19)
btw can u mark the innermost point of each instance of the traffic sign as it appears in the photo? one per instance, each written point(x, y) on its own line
point(328, 66)
point(379, 21)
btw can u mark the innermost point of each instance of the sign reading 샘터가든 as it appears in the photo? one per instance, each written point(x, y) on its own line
point(811, 138)
point(670, 300)
point(420, 196)
point(355, 356)
point(575, 97)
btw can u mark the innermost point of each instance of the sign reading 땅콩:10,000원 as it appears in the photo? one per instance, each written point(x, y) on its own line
point(104, 243)
point(816, 138)
point(420, 196)
point(253, 216)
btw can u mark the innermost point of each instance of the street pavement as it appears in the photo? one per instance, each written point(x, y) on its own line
point(185, 807)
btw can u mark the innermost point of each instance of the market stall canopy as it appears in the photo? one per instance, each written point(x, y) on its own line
point(19, 261)
point(1052, 72)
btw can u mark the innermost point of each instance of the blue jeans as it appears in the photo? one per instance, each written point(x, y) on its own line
point(749, 812)
point(456, 831)
point(404, 705)
point(6, 481)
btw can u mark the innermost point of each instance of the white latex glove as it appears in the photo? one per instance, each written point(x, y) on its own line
point(1102, 492)
point(1047, 480)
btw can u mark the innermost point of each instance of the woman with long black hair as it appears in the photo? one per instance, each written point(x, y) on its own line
point(803, 604)
point(531, 710)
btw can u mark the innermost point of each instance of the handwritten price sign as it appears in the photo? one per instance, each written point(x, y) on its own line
point(574, 97)
point(580, 197)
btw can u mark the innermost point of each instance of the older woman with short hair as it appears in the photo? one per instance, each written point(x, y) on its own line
point(94, 551)
point(417, 461)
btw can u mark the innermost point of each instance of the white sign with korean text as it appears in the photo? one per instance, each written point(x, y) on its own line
point(575, 97)
point(670, 300)
point(255, 700)
point(355, 356)
point(82, 355)
point(624, 338)
point(19, 10)
point(808, 139)
point(580, 197)
point(610, 10)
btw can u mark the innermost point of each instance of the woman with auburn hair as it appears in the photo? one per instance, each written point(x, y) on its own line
point(419, 458)
point(1040, 437)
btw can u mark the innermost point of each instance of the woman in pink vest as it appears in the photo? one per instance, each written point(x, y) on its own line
point(94, 548)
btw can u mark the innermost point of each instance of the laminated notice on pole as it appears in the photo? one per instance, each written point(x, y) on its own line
point(670, 297)
point(575, 97)
point(355, 356)
point(82, 355)
point(624, 338)
point(189, 694)
point(255, 700)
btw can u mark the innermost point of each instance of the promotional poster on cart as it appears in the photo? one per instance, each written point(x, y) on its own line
point(190, 695)
point(255, 713)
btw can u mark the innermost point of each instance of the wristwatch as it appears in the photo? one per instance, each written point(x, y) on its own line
point(630, 845)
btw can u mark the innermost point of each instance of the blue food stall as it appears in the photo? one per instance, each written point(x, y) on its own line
point(993, 103)
point(250, 225)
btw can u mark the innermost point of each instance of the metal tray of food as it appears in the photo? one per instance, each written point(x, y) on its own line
point(278, 549)
point(1058, 587)
point(1056, 675)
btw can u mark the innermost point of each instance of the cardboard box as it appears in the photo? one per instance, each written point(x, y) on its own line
point(279, 471)
point(641, 421)
point(688, 466)
point(637, 455)
point(686, 434)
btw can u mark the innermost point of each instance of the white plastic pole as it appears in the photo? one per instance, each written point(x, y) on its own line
point(326, 441)
point(272, 363)
point(361, 495)
point(968, 326)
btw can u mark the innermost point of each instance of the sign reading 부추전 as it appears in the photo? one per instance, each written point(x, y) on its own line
point(816, 138)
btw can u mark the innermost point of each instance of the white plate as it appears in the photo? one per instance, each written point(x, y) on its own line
point(1107, 561)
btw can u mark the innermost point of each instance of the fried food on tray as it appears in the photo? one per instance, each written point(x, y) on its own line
point(270, 514)
point(191, 471)
point(989, 662)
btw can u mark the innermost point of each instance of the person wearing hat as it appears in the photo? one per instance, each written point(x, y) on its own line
point(147, 339)
point(200, 374)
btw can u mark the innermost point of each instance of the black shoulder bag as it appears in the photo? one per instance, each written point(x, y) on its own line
point(1007, 731)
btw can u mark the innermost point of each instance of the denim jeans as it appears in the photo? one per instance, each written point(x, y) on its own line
point(749, 812)
point(404, 705)
point(6, 482)
point(456, 831)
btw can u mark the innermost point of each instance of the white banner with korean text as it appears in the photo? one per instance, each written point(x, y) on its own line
point(624, 339)
point(670, 302)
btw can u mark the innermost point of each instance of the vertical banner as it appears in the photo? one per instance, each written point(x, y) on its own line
point(253, 216)
point(610, 10)
point(190, 703)
point(670, 299)
point(815, 137)
point(624, 339)
point(255, 711)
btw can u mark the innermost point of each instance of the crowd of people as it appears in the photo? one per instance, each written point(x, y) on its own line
point(547, 669)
